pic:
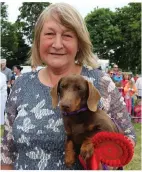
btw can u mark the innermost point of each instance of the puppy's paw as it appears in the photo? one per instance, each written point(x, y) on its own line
point(69, 159)
point(87, 151)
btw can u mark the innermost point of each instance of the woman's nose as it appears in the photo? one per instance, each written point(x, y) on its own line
point(58, 42)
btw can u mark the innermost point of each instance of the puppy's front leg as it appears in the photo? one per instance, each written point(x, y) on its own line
point(87, 149)
point(69, 152)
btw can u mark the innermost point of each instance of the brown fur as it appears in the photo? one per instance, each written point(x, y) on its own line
point(75, 92)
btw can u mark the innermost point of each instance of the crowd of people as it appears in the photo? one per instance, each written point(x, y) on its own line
point(8, 78)
point(130, 88)
point(12, 75)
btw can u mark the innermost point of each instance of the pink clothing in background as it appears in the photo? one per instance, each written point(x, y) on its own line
point(129, 104)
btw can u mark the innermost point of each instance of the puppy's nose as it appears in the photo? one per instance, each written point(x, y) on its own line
point(65, 107)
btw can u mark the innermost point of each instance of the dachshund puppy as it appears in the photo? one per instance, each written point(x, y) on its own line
point(78, 101)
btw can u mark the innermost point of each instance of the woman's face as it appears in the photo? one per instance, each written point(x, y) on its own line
point(126, 76)
point(15, 70)
point(58, 44)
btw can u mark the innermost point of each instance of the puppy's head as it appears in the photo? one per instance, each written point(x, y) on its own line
point(74, 92)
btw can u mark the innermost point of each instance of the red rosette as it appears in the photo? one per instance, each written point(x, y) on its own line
point(91, 164)
point(113, 149)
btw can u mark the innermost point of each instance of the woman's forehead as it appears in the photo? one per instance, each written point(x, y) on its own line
point(59, 20)
point(53, 23)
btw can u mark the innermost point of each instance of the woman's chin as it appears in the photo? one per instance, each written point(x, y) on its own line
point(57, 64)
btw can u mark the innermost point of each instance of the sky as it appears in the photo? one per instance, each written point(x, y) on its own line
point(83, 6)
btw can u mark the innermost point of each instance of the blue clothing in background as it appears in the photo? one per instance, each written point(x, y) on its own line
point(117, 78)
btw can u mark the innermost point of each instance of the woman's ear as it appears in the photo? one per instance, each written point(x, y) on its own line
point(93, 98)
point(54, 94)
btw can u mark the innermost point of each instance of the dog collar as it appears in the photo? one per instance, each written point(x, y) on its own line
point(75, 112)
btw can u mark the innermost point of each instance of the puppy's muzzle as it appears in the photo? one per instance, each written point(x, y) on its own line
point(65, 107)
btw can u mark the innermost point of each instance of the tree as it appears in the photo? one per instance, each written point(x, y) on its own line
point(128, 19)
point(116, 35)
point(29, 12)
point(20, 56)
point(3, 11)
point(103, 32)
point(8, 35)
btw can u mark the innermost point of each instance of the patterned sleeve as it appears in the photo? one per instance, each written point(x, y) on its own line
point(115, 106)
point(8, 150)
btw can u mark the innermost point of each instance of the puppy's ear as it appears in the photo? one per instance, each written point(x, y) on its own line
point(93, 98)
point(54, 94)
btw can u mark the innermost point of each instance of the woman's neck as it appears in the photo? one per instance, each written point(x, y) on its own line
point(50, 77)
point(18, 74)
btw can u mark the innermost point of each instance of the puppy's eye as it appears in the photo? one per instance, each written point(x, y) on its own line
point(63, 86)
point(78, 87)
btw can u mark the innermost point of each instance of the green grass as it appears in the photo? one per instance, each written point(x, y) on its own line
point(135, 163)
point(1, 130)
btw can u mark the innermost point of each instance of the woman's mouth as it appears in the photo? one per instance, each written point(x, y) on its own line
point(57, 54)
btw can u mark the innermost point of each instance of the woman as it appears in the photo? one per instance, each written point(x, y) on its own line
point(16, 73)
point(3, 96)
point(124, 82)
point(17, 70)
point(129, 91)
point(61, 43)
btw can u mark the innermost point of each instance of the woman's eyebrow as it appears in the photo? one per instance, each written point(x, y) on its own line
point(50, 28)
point(67, 30)
point(64, 30)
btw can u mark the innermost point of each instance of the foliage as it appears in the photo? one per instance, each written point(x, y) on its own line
point(3, 11)
point(29, 12)
point(104, 34)
point(116, 35)
point(129, 22)
point(8, 35)
point(16, 38)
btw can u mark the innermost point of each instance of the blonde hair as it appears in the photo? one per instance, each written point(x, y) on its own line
point(131, 83)
point(70, 18)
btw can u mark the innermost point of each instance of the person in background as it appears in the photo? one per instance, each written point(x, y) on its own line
point(138, 111)
point(139, 87)
point(17, 71)
point(115, 69)
point(117, 77)
point(136, 77)
point(124, 81)
point(110, 72)
point(5, 70)
point(131, 77)
point(138, 106)
point(3, 96)
point(12, 78)
point(34, 131)
point(120, 87)
point(129, 91)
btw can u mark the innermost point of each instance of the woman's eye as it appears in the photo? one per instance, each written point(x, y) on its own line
point(49, 33)
point(67, 35)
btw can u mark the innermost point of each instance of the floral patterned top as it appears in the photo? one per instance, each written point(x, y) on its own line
point(34, 132)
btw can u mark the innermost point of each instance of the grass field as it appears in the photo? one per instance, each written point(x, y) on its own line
point(135, 164)
point(1, 130)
